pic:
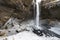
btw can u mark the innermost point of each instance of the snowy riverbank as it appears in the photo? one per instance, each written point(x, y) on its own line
point(22, 31)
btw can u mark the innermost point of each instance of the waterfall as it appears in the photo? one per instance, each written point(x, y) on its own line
point(37, 14)
point(36, 2)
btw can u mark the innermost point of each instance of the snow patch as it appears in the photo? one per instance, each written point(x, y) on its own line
point(25, 35)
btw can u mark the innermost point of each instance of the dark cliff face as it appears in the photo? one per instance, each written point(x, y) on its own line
point(51, 11)
point(21, 9)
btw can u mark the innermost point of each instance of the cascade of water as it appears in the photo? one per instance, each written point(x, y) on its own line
point(37, 13)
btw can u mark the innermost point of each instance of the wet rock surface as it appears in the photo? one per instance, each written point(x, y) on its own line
point(47, 33)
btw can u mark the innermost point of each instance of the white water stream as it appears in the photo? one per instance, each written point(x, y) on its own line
point(37, 13)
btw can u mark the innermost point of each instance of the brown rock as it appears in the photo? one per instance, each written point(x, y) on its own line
point(2, 32)
point(15, 8)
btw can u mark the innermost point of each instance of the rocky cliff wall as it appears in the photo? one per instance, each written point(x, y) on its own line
point(21, 9)
point(50, 10)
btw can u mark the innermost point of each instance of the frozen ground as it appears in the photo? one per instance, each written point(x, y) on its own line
point(25, 35)
point(16, 30)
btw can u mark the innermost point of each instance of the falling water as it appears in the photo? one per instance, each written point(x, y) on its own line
point(37, 13)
